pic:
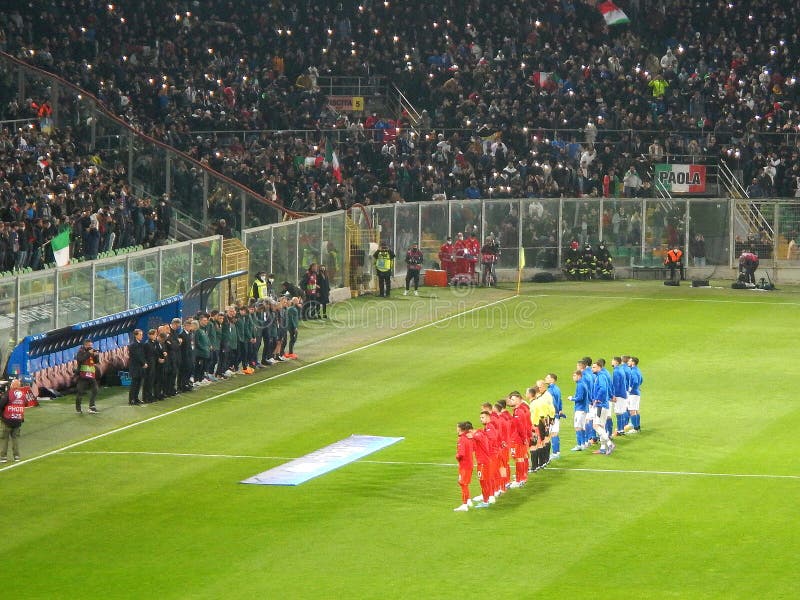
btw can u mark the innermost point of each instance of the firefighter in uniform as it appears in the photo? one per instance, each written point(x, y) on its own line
point(605, 266)
point(572, 259)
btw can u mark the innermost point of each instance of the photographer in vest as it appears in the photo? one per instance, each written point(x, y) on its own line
point(12, 407)
point(310, 286)
point(87, 358)
point(413, 267)
point(674, 262)
point(384, 261)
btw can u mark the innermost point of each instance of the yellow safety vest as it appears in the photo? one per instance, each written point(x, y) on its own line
point(383, 262)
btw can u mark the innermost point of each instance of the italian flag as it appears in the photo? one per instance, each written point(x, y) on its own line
point(332, 161)
point(60, 245)
point(612, 14)
point(545, 79)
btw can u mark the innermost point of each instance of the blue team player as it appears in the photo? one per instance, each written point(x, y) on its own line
point(600, 403)
point(581, 400)
point(619, 391)
point(634, 395)
point(585, 365)
point(555, 427)
point(604, 372)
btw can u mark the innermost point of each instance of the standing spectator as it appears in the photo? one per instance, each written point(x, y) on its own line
point(87, 358)
point(324, 284)
point(137, 366)
point(12, 408)
point(699, 250)
point(164, 218)
point(631, 183)
point(91, 242)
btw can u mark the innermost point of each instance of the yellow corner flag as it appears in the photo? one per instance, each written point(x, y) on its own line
point(521, 266)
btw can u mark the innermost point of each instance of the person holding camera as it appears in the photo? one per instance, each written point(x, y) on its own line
point(413, 267)
point(12, 408)
point(748, 263)
point(87, 371)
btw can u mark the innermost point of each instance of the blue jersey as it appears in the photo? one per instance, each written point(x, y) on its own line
point(627, 370)
point(581, 397)
point(555, 392)
point(620, 383)
point(601, 392)
point(609, 382)
point(636, 381)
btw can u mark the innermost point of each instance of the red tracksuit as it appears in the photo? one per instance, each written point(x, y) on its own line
point(485, 447)
point(521, 438)
point(503, 422)
point(464, 451)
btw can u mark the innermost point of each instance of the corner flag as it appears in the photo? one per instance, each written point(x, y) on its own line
point(60, 245)
point(521, 266)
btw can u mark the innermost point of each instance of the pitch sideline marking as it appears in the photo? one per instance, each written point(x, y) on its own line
point(700, 300)
point(249, 385)
point(435, 464)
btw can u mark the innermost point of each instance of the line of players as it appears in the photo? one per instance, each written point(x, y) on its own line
point(597, 391)
point(529, 433)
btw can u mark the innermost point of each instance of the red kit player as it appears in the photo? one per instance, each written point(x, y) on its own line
point(464, 451)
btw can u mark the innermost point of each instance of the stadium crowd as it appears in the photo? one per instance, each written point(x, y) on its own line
point(47, 185)
point(539, 101)
point(529, 434)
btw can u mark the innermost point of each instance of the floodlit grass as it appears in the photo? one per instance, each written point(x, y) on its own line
point(156, 510)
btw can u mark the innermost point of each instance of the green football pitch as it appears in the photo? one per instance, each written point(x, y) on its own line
point(145, 502)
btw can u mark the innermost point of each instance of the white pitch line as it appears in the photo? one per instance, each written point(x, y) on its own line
point(681, 473)
point(435, 464)
point(657, 299)
point(249, 385)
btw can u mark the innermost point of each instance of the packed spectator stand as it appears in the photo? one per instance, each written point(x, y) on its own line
point(515, 101)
